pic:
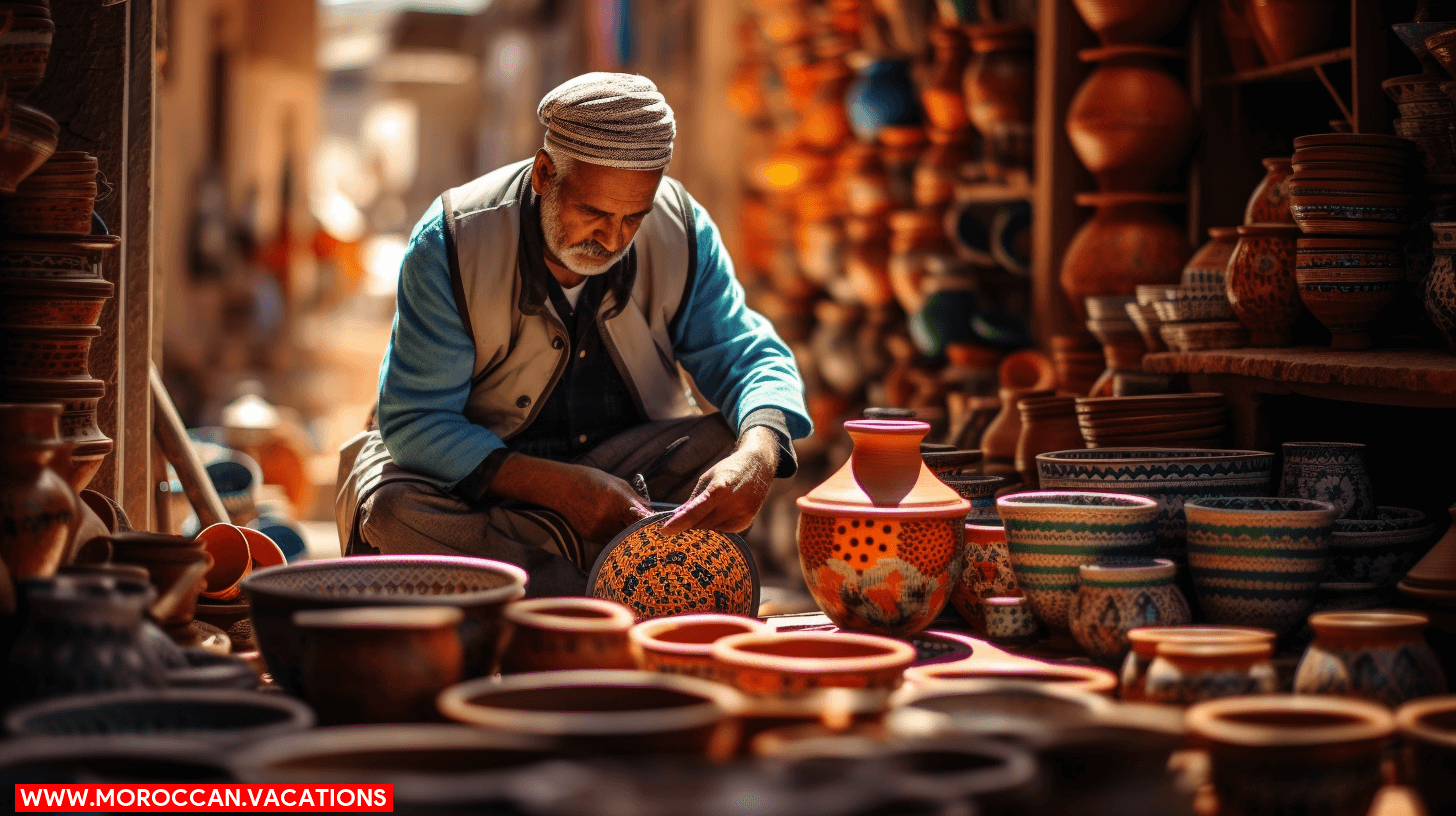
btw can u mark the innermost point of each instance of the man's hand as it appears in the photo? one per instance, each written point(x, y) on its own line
point(595, 503)
point(730, 494)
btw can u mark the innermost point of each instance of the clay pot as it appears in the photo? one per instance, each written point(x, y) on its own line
point(1428, 729)
point(24, 47)
point(604, 712)
point(1185, 672)
point(1047, 424)
point(1144, 649)
point(1052, 534)
point(1269, 203)
point(998, 84)
point(231, 560)
point(1130, 122)
point(824, 123)
point(1130, 22)
point(1062, 675)
point(55, 302)
point(25, 145)
point(1117, 595)
point(1285, 29)
point(780, 664)
point(418, 648)
point(855, 530)
point(1440, 286)
point(1350, 310)
point(1288, 754)
point(1261, 285)
point(1010, 619)
point(882, 95)
point(988, 572)
point(39, 511)
point(49, 209)
point(1380, 550)
point(862, 181)
point(220, 717)
point(1331, 472)
point(557, 634)
point(939, 169)
point(46, 352)
point(1378, 656)
point(1238, 35)
point(945, 104)
point(1127, 242)
point(1209, 265)
point(683, 644)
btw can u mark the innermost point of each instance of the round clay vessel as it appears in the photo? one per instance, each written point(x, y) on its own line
point(1047, 424)
point(1130, 22)
point(1258, 561)
point(1051, 534)
point(1261, 286)
point(881, 541)
point(1209, 264)
point(1333, 472)
point(654, 575)
point(1144, 649)
point(1333, 207)
point(1293, 754)
point(1285, 29)
point(604, 712)
point(998, 85)
point(1379, 550)
point(1060, 675)
point(38, 512)
point(1119, 594)
point(683, 644)
point(944, 101)
point(232, 560)
point(767, 664)
point(1009, 619)
point(1127, 242)
point(1130, 122)
point(1184, 672)
point(1269, 203)
point(1376, 655)
point(559, 634)
point(1428, 728)
point(988, 571)
point(227, 717)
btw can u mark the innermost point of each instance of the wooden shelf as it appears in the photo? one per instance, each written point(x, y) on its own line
point(1416, 377)
point(1284, 70)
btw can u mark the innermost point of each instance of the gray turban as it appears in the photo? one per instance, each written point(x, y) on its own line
point(613, 120)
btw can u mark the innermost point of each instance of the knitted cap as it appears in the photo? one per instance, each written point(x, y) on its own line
point(613, 120)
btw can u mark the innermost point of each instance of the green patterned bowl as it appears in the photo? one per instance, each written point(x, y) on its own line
point(1052, 534)
point(1257, 561)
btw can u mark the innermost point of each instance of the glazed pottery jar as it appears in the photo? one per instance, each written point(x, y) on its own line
point(1428, 728)
point(776, 664)
point(1440, 287)
point(1117, 22)
point(1144, 649)
point(604, 712)
point(683, 644)
point(1009, 619)
point(945, 104)
point(1293, 754)
point(977, 489)
point(347, 650)
point(998, 86)
point(1261, 285)
point(1117, 595)
point(988, 572)
point(1257, 562)
point(1130, 122)
point(556, 634)
point(1127, 242)
point(1285, 29)
point(1380, 656)
point(1189, 671)
point(881, 542)
point(1269, 203)
point(1052, 534)
point(38, 512)
point(1329, 471)
point(1208, 266)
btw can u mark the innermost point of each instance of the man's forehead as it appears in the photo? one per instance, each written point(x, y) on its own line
point(612, 189)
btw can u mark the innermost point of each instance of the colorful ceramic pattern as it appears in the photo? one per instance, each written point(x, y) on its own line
point(1145, 642)
point(1118, 594)
point(693, 571)
point(1009, 620)
point(1257, 561)
point(1380, 656)
point(988, 572)
point(1187, 672)
point(1381, 550)
point(1261, 285)
point(1052, 534)
point(1329, 471)
point(979, 490)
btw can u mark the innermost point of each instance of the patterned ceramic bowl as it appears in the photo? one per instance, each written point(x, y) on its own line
point(1379, 550)
point(1258, 561)
point(789, 663)
point(1118, 594)
point(1051, 534)
point(693, 571)
point(977, 489)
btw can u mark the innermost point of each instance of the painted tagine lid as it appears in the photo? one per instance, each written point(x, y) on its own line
point(885, 477)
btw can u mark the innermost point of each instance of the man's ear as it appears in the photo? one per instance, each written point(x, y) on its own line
point(542, 171)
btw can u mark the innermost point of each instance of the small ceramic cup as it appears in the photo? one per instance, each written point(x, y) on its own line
point(1144, 642)
point(1119, 594)
point(1009, 620)
point(683, 644)
point(232, 560)
point(1187, 672)
point(987, 573)
point(561, 634)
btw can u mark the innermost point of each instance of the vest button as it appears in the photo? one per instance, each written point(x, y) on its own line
point(523, 401)
point(557, 342)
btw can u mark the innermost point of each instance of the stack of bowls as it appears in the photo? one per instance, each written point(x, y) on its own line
point(1145, 317)
point(1163, 420)
point(1077, 361)
point(1122, 343)
point(57, 199)
point(1196, 315)
point(1381, 550)
point(1426, 118)
point(1347, 283)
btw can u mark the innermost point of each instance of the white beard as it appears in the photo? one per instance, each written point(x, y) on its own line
point(586, 258)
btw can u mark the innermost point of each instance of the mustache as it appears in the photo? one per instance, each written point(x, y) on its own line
point(590, 248)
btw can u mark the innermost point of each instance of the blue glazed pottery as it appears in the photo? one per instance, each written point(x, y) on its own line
point(1380, 656)
point(883, 94)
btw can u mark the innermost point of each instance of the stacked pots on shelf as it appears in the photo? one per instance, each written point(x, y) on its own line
point(1196, 315)
point(1122, 344)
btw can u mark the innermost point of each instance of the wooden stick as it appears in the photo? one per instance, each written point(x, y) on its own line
point(172, 436)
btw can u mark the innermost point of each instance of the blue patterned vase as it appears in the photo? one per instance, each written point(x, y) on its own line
point(1329, 471)
point(1119, 594)
point(1380, 656)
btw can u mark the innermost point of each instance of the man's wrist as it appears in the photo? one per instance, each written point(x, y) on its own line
point(776, 422)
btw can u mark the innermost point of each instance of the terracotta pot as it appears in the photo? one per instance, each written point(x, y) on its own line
point(1185, 672)
point(998, 85)
point(557, 634)
point(1117, 595)
point(683, 644)
point(1287, 754)
point(824, 123)
point(1428, 728)
point(1238, 35)
point(232, 561)
point(24, 47)
point(1209, 265)
point(1130, 22)
point(1380, 550)
point(344, 649)
point(1285, 29)
point(1144, 649)
point(177, 568)
point(220, 717)
point(988, 572)
point(1334, 207)
point(1269, 203)
point(944, 101)
point(860, 175)
point(55, 258)
point(779, 664)
point(999, 440)
point(1261, 285)
point(25, 145)
point(40, 513)
point(1062, 675)
point(856, 531)
point(1047, 424)
point(55, 302)
point(1130, 122)
point(939, 169)
point(604, 712)
point(1440, 285)
point(1333, 472)
point(1378, 656)
point(1127, 242)
point(1027, 370)
point(46, 352)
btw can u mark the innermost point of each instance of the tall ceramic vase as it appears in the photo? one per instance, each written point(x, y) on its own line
point(38, 511)
point(1130, 122)
point(1127, 242)
point(882, 541)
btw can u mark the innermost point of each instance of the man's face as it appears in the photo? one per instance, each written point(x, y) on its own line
point(590, 215)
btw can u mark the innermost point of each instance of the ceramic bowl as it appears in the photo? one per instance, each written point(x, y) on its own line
point(790, 663)
point(1145, 318)
point(604, 712)
point(977, 489)
point(1205, 335)
point(114, 760)
point(1351, 310)
point(1051, 534)
point(683, 644)
point(1062, 675)
point(1009, 619)
point(1118, 594)
point(1428, 728)
point(1258, 561)
point(1144, 648)
point(1188, 304)
point(560, 634)
point(210, 715)
point(480, 588)
point(693, 571)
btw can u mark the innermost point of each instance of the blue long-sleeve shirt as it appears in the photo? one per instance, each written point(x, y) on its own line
point(733, 354)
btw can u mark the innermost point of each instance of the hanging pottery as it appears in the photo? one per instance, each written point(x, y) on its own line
point(1130, 122)
point(1127, 242)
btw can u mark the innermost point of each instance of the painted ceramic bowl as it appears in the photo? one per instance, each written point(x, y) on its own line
point(604, 712)
point(1061, 675)
point(1428, 728)
point(977, 489)
point(790, 663)
point(683, 644)
point(1380, 656)
point(1052, 534)
point(1258, 561)
point(1009, 619)
point(1119, 594)
point(1144, 643)
point(1189, 671)
point(693, 571)
point(1380, 550)
point(559, 634)
point(479, 587)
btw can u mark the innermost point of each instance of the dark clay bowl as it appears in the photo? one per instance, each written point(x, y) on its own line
point(214, 716)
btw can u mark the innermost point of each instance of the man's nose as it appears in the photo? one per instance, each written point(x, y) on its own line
point(611, 235)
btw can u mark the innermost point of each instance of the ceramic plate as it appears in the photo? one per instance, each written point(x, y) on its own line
point(694, 571)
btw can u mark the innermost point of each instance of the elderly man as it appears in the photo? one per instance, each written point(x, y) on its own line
point(546, 314)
